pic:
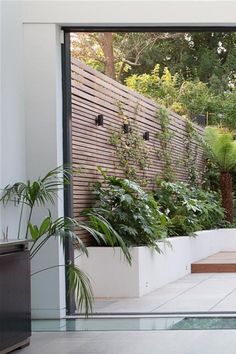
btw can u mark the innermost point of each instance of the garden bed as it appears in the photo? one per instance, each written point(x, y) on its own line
point(111, 275)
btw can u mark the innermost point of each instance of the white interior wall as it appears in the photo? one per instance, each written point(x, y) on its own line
point(31, 139)
point(43, 127)
point(12, 108)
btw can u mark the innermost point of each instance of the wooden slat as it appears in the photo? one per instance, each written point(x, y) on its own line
point(222, 262)
point(94, 93)
point(77, 66)
point(132, 95)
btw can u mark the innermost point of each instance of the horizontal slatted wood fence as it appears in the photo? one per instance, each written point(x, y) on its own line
point(94, 93)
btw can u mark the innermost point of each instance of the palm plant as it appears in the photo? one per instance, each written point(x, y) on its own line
point(222, 148)
point(43, 192)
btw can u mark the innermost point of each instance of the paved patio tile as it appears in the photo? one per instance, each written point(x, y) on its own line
point(226, 304)
point(192, 293)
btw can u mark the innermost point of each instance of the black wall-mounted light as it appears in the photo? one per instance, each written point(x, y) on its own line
point(99, 120)
point(127, 128)
point(146, 136)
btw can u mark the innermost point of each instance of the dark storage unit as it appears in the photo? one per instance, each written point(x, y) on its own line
point(15, 309)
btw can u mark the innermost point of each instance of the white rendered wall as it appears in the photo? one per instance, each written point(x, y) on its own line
point(154, 12)
point(12, 124)
point(112, 277)
point(43, 113)
point(30, 119)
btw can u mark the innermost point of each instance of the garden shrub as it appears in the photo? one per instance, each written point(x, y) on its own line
point(138, 218)
point(189, 209)
point(133, 213)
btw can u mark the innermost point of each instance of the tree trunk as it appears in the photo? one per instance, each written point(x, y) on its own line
point(227, 195)
point(107, 47)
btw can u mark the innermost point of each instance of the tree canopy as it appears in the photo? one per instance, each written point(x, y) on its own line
point(192, 73)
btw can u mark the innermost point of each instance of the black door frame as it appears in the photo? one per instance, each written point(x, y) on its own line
point(67, 160)
point(66, 85)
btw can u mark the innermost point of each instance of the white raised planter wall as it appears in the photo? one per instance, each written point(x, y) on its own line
point(112, 276)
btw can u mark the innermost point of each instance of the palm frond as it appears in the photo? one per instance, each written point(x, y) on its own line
point(79, 284)
point(17, 190)
point(101, 226)
point(40, 192)
point(221, 148)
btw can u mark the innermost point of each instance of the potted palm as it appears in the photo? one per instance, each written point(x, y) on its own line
point(43, 192)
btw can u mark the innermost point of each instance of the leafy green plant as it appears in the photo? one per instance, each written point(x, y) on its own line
point(186, 97)
point(211, 176)
point(195, 97)
point(41, 193)
point(221, 149)
point(104, 232)
point(189, 209)
point(228, 114)
point(163, 88)
point(133, 214)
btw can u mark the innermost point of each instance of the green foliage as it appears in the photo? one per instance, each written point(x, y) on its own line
point(205, 56)
point(211, 176)
point(133, 214)
point(189, 98)
point(125, 52)
point(42, 192)
point(174, 209)
point(221, 148)
point(103, 231)
point(36, 193)
point(79, 284)
point(228, 111)
point(164, 88)
point(195, 98)
point(131, 151)
point(189, 209)
point(164, 137)
point(192, 143)
point(201, 68)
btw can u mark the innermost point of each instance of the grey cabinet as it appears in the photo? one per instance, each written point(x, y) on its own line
point(15, 309)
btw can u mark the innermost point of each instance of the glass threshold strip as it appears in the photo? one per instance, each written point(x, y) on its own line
point(153, 314)
point(135, 323)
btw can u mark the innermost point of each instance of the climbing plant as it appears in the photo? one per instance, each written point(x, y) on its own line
point(131, 150)
point(191, 152)
point(192, 142)
point(164, 137)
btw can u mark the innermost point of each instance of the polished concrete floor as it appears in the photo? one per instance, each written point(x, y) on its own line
point(211, 292)
point(193, 293)
point(160, 342)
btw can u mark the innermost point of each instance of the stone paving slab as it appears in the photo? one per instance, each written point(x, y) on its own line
point(193, 293)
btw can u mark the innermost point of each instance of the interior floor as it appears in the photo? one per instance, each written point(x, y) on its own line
point(162, 342)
